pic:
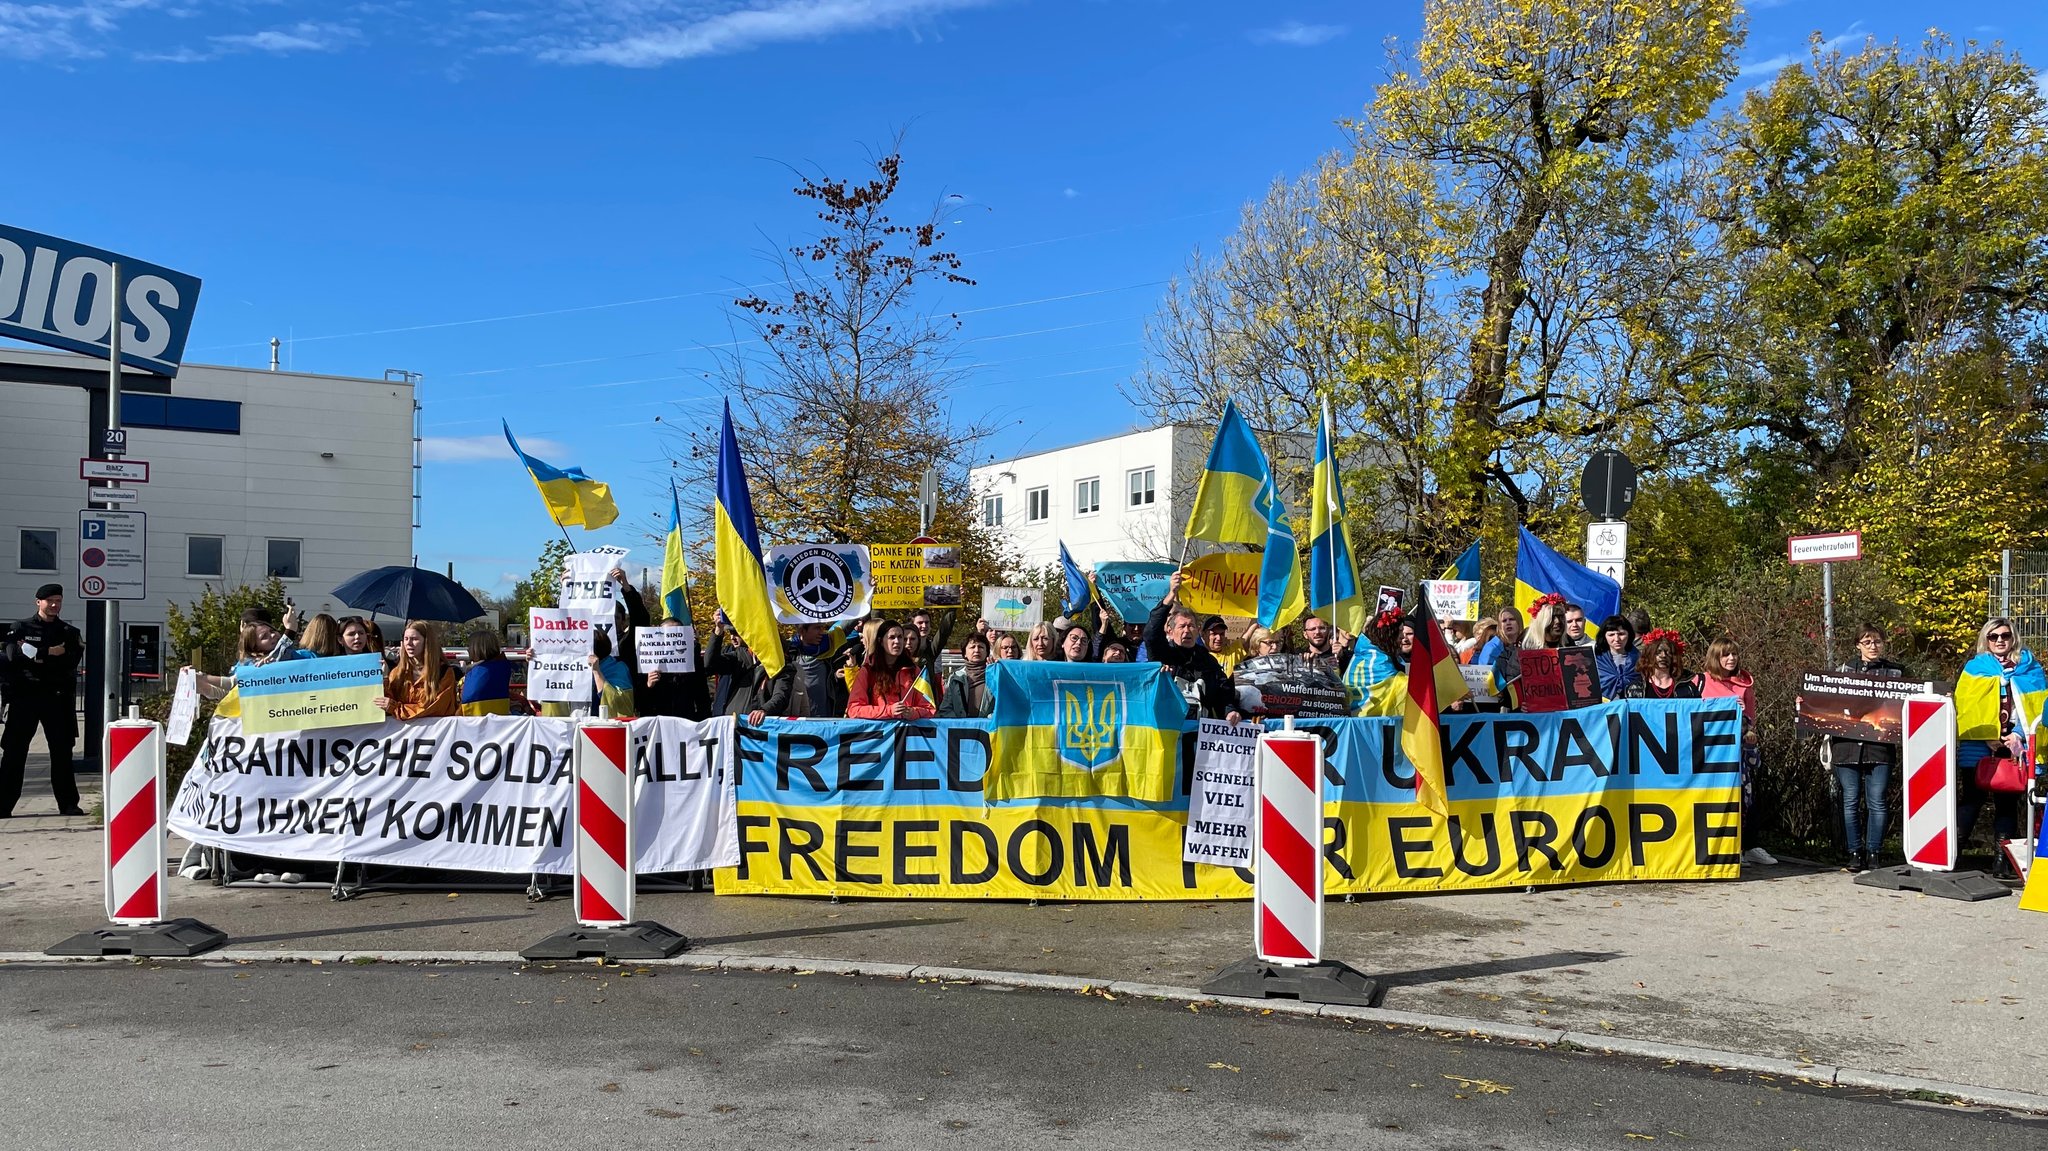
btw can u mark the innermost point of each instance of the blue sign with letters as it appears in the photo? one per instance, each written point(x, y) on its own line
point(55, 293)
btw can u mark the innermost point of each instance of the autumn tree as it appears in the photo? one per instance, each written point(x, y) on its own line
point(1508, 265)
point(841, 398)
point(1887, 213)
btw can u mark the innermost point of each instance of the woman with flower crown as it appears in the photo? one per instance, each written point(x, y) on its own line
point(1662, 669)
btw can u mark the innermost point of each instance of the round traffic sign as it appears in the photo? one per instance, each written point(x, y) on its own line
point(92, 557)
point(1607, 487)
point(92, 585)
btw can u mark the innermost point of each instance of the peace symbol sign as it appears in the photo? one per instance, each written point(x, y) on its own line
point(818, 584)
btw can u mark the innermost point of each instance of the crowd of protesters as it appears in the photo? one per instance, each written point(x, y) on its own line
point(889, 669)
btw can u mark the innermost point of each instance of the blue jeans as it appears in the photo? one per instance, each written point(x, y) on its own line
point(1865, 782)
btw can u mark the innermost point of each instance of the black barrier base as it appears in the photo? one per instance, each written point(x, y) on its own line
point(642, 940)
point(1326, 982)
point(171, 939)
point(1966, 885)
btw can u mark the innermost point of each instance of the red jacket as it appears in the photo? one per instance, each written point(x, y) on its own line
point(876, 694)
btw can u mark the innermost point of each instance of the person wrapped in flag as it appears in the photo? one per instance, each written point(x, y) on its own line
point(887, 685)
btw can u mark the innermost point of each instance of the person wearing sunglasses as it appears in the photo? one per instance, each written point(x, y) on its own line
point(2000, 695)
point(1863, 768)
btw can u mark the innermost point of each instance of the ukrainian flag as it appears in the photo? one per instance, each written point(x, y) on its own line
point(1984, 681)
point(1540, 570)
point(1079, 594)
point(675, 571)
point(1082, 729)
point(572, 497)
point(1467, 566)
point(1237, 503)
point(736, 552)
point(1332, 567)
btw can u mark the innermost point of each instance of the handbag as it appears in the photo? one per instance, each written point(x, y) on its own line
point(2001, 771)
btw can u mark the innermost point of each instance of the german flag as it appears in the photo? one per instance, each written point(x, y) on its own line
point(1434, 683)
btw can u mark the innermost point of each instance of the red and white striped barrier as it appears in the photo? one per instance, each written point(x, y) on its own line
point(1287, 884)
point(604, 824)
point(133, 750)
point(1929, 761)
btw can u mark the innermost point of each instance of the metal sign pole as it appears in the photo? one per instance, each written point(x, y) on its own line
point(1827, 601)
point(114, 661)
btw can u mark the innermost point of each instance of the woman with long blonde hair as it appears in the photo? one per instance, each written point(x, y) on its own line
point(422, 685)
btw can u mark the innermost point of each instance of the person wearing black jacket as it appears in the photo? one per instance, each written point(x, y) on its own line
point(1863, 768)
point(39, 676)
point(928, 638)
point(809, 685)
point(737, 668)
point(1171, 639)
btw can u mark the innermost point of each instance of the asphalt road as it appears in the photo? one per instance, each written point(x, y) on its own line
point(259, 1055)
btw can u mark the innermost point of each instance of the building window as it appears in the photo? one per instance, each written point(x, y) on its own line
point(182, 414)
point(991, 511)
point(1142, 492)
point(1038, 505)
point(203, 555)
point(38, 550)
point(283, 561)
point(1087, 497)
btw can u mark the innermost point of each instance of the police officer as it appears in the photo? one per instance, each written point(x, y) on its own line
point(40, 673)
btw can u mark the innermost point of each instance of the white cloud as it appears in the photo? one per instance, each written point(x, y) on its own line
point(1773, 65)
point(744, 29)
point(61, 31)
point(466, 449)
point(1295, 34)
point(1069, 193)
point(301, 37)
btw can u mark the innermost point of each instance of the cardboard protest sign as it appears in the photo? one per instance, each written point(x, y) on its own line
point(666, 648)
point(915, 575)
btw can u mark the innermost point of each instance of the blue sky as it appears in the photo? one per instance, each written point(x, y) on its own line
point(544, 207)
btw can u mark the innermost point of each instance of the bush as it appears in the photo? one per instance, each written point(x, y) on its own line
point(177, 760)
point(207, 633)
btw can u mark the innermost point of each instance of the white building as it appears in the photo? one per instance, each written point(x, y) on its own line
point(251, 473)
point(1119, 498)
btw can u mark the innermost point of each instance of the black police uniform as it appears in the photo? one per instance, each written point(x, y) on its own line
point(41, 691)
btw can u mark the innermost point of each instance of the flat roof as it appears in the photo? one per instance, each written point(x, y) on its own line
point(39, 357)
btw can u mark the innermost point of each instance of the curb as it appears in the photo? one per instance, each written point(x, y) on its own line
point(1822, 1074)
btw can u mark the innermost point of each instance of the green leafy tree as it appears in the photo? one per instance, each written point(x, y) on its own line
point(207, 632)
point(542, 586)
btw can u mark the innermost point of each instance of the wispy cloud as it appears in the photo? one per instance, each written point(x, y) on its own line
point(52, 31)
point(1773, 65)
point(666, 41)
point(301, 37)
point(1295, 34)
point(467, 449)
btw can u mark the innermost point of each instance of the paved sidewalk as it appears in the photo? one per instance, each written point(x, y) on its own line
point(1787, 963)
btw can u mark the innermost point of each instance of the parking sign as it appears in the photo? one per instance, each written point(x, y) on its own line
point(113, 557)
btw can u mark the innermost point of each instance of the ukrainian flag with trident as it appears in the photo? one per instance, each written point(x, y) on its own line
point(1086, 729)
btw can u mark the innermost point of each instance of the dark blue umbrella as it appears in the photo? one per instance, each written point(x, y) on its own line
point(409, 593)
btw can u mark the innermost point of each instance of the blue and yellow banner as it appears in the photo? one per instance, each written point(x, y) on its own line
point(1333, 589)
point(1639, 790)
point(675, 570)
point(302, 694)
point(1083, 729)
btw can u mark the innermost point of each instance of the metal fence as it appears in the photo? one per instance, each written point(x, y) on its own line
point(2020, 592)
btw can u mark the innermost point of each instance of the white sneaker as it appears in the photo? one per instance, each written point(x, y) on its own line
point(266, 877)
point(1759, 857)
point(292, 877)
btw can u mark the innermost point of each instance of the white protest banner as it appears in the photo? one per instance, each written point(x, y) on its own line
point(666, 648)
point(184, 708)
point(1220, 798)
point(554, 631)
point(1479, 682)
point(1453, 599)
point(588, 587)
point(470, 793)
point(560, 679)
